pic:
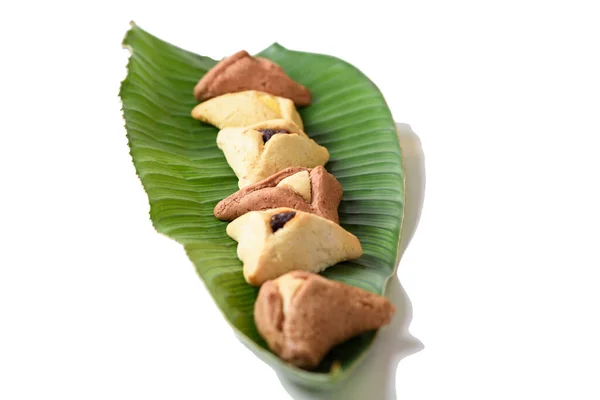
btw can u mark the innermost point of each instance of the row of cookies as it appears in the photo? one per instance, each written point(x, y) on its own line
point(285, 215)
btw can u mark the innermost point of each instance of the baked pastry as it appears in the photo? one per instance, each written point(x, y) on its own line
point(311, 190)
point(260, 150)
point(245, 108)
point(274, 242)
point(302, 315)
point(241, 72)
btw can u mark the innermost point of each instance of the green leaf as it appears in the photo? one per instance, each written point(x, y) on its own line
point(185, 175)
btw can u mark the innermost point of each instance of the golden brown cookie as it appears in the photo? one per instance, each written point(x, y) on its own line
point(274, 242)
point(260, 150)
point(245, 108)
point(302, 315)
point(311, 190)
point(241, 72)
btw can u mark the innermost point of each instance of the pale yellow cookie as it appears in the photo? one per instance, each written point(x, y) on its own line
point(274, 242)
point(260, 150)
point(245, 108)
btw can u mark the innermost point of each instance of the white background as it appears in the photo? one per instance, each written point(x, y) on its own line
point(503, 269)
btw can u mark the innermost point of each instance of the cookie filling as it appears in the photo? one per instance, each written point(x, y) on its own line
point(279, 220)
point(268, 133)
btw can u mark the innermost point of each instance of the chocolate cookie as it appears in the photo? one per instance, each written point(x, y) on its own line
point(303, 315)
point(241, 72)
point(311, 190)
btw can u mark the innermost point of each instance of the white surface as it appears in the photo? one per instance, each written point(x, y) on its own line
point(502, 273)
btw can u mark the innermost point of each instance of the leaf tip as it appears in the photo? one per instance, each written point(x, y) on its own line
point(277, 46)
point(273, 49)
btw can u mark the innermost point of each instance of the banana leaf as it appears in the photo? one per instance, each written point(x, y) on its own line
point(185, 175)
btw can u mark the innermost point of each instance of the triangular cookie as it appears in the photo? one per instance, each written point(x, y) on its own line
point(260, 150)
point(241, 72)
point(303, 315)
point(311, 190)
point(274, 242)
point(245, 108)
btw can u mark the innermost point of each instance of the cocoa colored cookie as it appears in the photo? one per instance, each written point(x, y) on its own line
point(286, 189)
point(302, 315)
point(241, 72)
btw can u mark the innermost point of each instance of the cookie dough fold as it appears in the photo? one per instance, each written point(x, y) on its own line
point(240, 72)
point(274, 242)
point(302, 315)
point(312, 190)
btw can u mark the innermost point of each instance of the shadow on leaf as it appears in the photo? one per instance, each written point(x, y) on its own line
point(375, 378)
